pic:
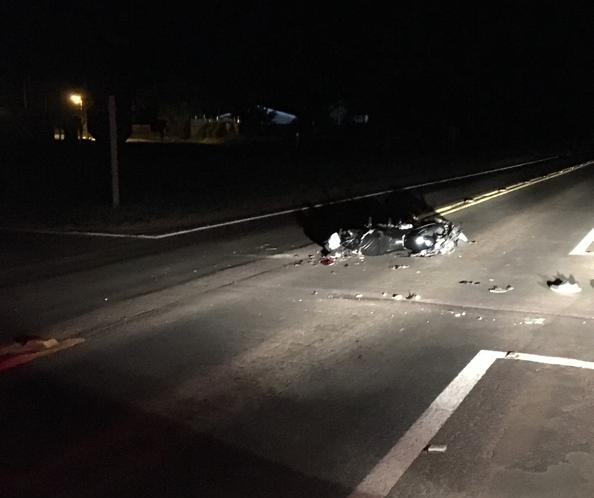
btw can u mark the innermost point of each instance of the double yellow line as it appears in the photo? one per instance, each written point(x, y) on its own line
point(479, 199)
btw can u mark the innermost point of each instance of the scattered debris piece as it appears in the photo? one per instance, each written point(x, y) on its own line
point(334, 242)
point(400, 267)
point(29, 344)
point(397, 297)
point(500, 290)
point(384, 294)
point(315, 293)
point(564, 287)
point(469, 282)
point(327, 261)
point(512, 354)
point(413, 297)
point(436, 448)
point(533, 321)
point(358, 296)
point(479, 318)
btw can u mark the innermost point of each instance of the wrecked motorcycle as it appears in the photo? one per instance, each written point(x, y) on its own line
point(426, 237)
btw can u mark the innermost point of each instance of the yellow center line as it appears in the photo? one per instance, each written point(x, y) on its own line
point(487, 196)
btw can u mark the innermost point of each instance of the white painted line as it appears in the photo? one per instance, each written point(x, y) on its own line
point(390, 469)
point(386, 474)
point(277, 213)
point(551, 360)
point(74, 232)
point(350, 199)
point(582, 248)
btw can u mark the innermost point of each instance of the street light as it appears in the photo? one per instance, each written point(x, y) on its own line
point(76, 99)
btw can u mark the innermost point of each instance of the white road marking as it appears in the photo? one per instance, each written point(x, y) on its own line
point(386, 474)
point(552, 360)
point(390, 469)
point(42, 231)
point(285, 211)
point(582, 248)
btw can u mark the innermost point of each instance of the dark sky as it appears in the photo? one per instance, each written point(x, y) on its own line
point(436, 53)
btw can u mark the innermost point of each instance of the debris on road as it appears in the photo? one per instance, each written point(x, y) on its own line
point(564, 287)
point(358, 296)
point(397, 297)
point(429, 236)
point(400, 267)
point(534, 321)
point(436, 448)
point(500, 290)
point(469, 282)
point(413, 297)
point(29, 348)
point(327, 261)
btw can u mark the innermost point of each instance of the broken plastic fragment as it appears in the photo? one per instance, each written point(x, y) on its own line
point(397, 297)
point(334, 241)
point(500, 290)
point(436, 448)
point(400, 267)
point(565, 287)
point(328, 261)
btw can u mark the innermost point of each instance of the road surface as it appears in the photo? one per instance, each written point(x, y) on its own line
point(230, 364)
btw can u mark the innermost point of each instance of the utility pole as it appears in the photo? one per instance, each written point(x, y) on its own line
point(113, 152)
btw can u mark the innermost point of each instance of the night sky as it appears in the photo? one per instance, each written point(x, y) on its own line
point(507, 59)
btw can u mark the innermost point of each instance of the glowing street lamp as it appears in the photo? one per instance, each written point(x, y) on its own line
point(76, 99)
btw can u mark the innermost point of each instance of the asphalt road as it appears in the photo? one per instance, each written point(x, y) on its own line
point(230, 364)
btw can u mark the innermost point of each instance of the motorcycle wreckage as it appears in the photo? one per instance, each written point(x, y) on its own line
point(424, 237)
